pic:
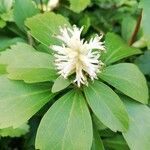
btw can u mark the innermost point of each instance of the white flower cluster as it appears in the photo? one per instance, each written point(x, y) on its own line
point(78, 56)
point(52, 4)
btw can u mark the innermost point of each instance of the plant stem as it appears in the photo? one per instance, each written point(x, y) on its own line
point(137, 27)
point(30, 40)
point(42, 6)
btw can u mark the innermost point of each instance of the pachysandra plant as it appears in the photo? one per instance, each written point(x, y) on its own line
point(78, 75)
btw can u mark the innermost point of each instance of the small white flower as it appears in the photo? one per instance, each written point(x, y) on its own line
point(52, 4)
point(78, 56)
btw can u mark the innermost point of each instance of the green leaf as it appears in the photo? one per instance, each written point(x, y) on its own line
point(5, 41)
point(97, 142)
point(117, 143)
point(107, 133)
point(99, 125)
point(17, 132)
point(44, 26)
point(146, 20)
point(80, 5)
point(20, 101)
point(2, 69)
point(117, 49)
point(5, 5)
point(138, 135)
point(23, 9)
point(60, 84)
point(127, 78)
point(128, 27)
point(143, 62)
point(66, 125)
point(107, 106)
point(86, 23)
point(2, 23)
point(8, 16)
point(23, 62)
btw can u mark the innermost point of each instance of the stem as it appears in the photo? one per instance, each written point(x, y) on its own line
point(41, 3)
point(30, 40)
point(137, 27)
point(42, 7)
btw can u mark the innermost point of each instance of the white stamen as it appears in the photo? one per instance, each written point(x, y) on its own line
point(77, 56)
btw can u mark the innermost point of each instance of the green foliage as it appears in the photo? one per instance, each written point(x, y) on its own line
point(117, 49)
point(17, 132)
point(5, 5)
point(143, 63)
point(5, 12)
point(78, 6)
point(20, 101)
point(128, 79)
point(30, 65)
point(2, 23)
point(44, 26)
point(107, 106)
point(8, 16)
point(36, 90)
point(97, 142)
point(116, 142)
point(137, 136)
point(23, 9)
point(128, 27)
point(7, 41)
point(146, 20)
point(98, 124)
point(60, 84)
point(71, 129)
